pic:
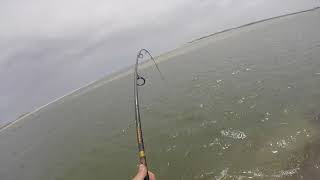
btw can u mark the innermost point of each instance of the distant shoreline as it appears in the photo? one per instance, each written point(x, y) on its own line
point(253, 23)
point(128, 70)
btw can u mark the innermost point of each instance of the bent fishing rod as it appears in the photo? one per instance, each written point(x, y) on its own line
point(140, 81)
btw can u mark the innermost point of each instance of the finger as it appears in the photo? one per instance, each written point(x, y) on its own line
point(142, 172)
point(151, 176)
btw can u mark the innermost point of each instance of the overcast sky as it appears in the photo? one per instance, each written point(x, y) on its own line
point(48, 48)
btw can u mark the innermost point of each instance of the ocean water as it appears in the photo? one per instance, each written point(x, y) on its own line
point(244, 104)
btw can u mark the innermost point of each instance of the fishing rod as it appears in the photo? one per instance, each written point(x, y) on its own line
point(140, 81)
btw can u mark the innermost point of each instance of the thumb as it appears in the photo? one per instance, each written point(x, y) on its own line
point(142, 172)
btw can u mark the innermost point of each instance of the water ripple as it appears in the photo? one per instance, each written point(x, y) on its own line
point(235, 134)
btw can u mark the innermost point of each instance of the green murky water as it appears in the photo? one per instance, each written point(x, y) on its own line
point(240, 105)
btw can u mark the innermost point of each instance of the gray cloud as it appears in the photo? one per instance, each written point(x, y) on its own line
point(49, 48)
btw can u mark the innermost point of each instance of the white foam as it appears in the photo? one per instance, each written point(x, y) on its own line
point(235, 134)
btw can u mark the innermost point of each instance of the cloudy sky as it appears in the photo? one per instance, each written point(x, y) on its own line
point(49, 48)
